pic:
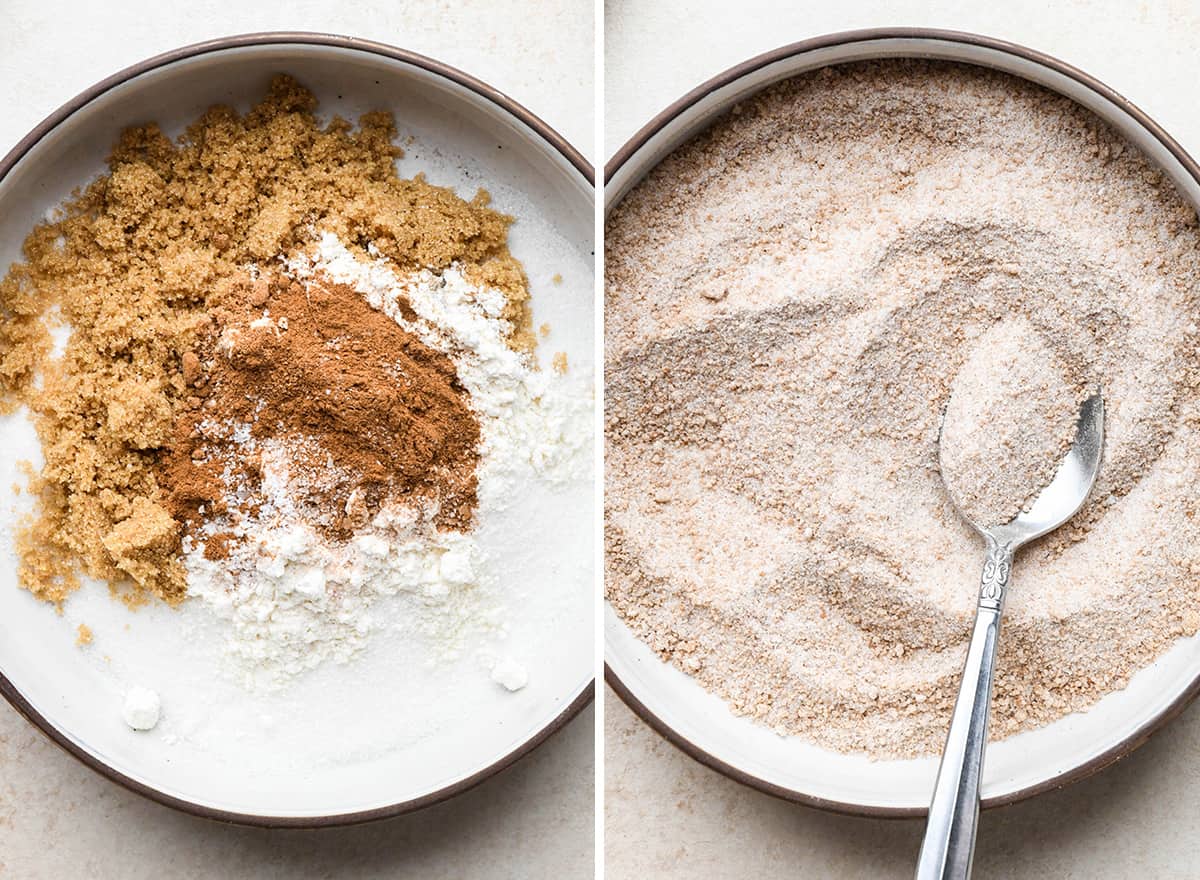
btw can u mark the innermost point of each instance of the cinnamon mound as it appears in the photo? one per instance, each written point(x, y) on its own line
point(367, 412)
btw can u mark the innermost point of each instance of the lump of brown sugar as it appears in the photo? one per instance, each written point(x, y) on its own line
point(139, 414)
point(141, 546)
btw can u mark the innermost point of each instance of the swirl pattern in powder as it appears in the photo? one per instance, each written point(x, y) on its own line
point(790, 296)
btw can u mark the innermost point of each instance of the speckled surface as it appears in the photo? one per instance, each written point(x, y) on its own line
point(535, 820)
point(667, 816)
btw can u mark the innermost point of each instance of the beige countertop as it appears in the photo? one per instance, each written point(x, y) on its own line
point(667, 816)
point(58, 819)
point(535, 820)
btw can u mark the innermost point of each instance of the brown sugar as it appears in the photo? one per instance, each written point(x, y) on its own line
point(140, 265)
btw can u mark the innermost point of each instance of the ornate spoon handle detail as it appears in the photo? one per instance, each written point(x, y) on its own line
point(949, 842)
point(997, 569)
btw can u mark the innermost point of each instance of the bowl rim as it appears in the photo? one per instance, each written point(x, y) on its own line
point(506, 104)
point(630, 149)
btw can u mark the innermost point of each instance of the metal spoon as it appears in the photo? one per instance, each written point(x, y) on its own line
point(949, 843)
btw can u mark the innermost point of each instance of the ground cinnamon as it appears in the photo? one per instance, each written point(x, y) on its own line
point(368, 411)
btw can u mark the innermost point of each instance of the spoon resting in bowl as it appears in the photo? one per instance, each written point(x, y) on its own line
point(949, 842)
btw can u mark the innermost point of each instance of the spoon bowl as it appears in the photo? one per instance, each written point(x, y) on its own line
point(1072, 482)
point(1065, 494)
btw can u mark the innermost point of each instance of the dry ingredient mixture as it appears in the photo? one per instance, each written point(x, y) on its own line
point(293, 383)
point(1009, 422)
point(793, 298)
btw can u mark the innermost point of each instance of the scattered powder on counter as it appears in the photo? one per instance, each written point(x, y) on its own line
point(1009, 422)
point(789, 299)
point(83, 635)
point(142, 708)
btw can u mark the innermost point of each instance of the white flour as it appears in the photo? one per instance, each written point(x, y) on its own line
point(295, 599)
point(142, 708)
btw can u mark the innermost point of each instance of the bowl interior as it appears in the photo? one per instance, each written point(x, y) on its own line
point(232, 756)
point(1032, 761)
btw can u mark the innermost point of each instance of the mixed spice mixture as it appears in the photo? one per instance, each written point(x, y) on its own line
point(1009, 421)
point(793, 300)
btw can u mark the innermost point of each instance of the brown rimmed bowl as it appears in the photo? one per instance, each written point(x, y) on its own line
point(699, 723)
point(466, 135)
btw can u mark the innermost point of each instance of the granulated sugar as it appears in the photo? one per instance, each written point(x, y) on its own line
point(790, 297)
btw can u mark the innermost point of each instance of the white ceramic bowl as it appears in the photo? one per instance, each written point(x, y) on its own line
point(467, 135)
point(700, 723)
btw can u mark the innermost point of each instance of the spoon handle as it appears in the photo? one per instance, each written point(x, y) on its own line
point(949, 842)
